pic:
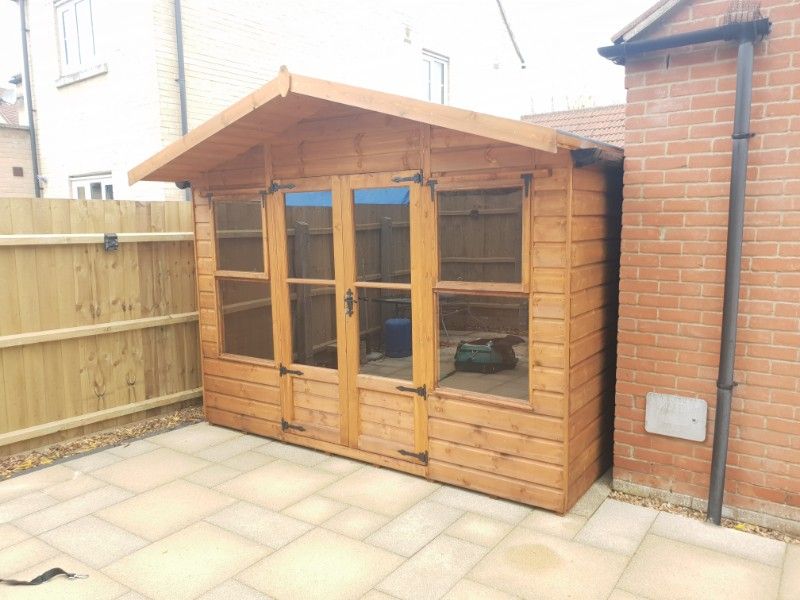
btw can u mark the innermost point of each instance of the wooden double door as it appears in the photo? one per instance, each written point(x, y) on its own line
point(348, 284)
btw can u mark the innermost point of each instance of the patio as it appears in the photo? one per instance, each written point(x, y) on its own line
point(206, 512)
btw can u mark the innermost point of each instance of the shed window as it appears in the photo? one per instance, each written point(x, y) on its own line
point(483, 344)
point(480, 235)
point(97, 186)
point(246, 309)
point(240, 236)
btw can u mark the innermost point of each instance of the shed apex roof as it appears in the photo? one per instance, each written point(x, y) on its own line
point(646, 20)
point(289, 98)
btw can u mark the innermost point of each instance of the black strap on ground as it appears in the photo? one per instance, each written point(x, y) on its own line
point(46, 576)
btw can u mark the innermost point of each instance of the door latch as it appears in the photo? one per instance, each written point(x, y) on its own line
point(284, 371)
point(419, 391)
point(286, 425)
point(420, 456)
point(349, 301)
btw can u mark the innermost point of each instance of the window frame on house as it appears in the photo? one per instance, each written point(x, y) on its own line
point(80, 41)
point(439, 93)
point(87, 183)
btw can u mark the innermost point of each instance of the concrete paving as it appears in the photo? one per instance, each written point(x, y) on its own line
point(205, 512)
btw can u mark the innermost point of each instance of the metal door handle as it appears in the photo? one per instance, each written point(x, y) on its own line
point(349, 301)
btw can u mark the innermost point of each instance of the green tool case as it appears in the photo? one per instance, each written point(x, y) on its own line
point(486, 357)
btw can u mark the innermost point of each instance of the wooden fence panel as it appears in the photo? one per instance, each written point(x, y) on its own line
point(88, 336)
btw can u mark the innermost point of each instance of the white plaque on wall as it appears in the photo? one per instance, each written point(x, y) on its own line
point(676, 416)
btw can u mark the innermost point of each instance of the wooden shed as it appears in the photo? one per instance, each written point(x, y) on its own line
point(408, 284)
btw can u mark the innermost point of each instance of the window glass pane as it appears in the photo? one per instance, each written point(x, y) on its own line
point(313, 315)
point(385, 333)
point(69, 37)
point(83, 15)
point(81, 193)
point(483, 344)
point(96, 190)
point(109, 192)
point(382, 234)
point(309, 234)
point(246, 318)
point(480, 235)
point(240, 238)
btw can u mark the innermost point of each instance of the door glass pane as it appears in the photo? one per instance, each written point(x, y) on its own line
point(483, 344)
point(385, 333)
point(480, 235)
point(313, 311)
point(382, 234)
point(246, 318)
point(240, 239)
point(309, 234)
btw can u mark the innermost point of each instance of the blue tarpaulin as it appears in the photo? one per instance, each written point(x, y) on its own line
point(368, 196)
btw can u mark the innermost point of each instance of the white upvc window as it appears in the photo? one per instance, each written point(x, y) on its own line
point(437, 67)
point(75, 28)
point(96, 186)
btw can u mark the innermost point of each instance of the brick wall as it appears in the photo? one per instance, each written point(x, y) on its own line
point(15, 151)
point(677, 173)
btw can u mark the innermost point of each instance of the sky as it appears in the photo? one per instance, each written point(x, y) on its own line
point(558, 39)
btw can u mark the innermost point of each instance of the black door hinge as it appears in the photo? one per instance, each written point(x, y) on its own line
point(419, 391)
point(286, 425)
point(284, 371)
point(416, 178)
point(420, 456)
point(349, 301)
point(275, 186)
point(432, 184)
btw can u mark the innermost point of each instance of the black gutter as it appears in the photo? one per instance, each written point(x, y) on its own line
point(181, 80)
point(746, 33)
point(23, 30)
point(732, 31)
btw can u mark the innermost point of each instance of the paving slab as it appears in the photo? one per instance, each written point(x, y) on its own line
point(563, 526)
point(77, 486)
point(340, 466)
point(152, 469)
point(134, 448)
point(531, 564)
point(432, 571)
point(356, 523)
point(790, 582)
point(212, 475)
point(315, 509)
point(187, 563)
point(321, 565)
point(194, 438)
point(664, 569)
point(721, 539)
point(69, 510)
point(92, 461)
point(297, 454)
point(479, 529)
point(233, 590)
point(24, 505)
point(593, 498)
point(10, 535)
point(97, 586)
point(93, 541)
point(246, 461)
point(20, 556)
point(266, 527)
point(410, 531)
point(380, 490)
point(163, 510)
point(277, 485)
point(466, 500)
point(22, 485)
point(617, 526)
point(471, 590)
point(231, 448)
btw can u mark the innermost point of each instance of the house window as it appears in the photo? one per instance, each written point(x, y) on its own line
point(437, 73)
point(75, 35)
point(92, 187)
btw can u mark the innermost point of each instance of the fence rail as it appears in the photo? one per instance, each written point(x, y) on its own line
point(91, 337)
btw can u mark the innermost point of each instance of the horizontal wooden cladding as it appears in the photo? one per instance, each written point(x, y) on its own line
point(595, 228)
point(242, 389)
point(594, 251)
point(593, 298)
point(242, 422)
point(520, 421)
point(385, 420)
point(589, 179)
point(501, 442)
point(494, 155)
point(497, 485)
point(250, 408)
point(481, 459)
point(316, 404)
point(251, 373)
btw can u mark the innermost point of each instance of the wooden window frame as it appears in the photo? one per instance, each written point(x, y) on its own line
point(233, 275)
point(485, 181)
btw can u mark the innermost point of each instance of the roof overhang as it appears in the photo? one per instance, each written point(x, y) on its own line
point(646, 20)
point(288, 99)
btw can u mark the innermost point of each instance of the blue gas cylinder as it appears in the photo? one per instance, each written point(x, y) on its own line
point(397, 337)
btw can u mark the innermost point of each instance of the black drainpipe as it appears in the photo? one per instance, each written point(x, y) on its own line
point(23, 34)
point(181, 79)
point(746, 34)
